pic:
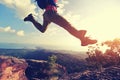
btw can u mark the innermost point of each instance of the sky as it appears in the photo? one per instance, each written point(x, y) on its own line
point(99, 17)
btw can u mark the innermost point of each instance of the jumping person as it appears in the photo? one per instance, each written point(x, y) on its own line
point(51, 15)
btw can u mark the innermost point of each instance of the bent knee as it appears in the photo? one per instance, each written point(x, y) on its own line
point(42, 31)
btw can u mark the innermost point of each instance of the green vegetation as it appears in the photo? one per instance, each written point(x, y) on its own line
point(52, 68)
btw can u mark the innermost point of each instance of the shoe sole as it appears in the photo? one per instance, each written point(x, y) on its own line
point(88, 43)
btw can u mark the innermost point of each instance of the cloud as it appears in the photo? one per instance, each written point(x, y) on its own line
point(20, 33)
point(21, 7)
point(8, 29)
point(24, 7)
point(61, 8)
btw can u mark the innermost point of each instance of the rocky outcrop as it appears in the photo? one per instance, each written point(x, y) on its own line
point(111, 73)
point(12, 68)
point(19, 69)
point(39, 70)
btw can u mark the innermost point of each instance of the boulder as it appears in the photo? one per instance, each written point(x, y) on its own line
point(111, 73)
point(12, 68)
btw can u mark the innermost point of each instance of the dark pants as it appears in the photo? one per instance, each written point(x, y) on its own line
point(53, 16)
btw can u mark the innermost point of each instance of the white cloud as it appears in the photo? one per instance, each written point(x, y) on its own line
point(10, 30)
point(20, 33)
point(24, 7)
point(21, 7)
point(7, 29)
point(61, 4)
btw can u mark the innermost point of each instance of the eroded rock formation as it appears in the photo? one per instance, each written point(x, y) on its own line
point(12, 68)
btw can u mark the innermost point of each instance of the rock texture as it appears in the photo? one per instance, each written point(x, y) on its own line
point(20, 69)
point(111, 73)
point(39, 70)
point(12, 68)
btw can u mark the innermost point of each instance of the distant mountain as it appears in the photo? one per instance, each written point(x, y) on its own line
point(34, 46)
point(16, 46)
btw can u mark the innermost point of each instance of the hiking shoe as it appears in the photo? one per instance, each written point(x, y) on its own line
point(87, 41)
point(82, 34)
point(29, 18)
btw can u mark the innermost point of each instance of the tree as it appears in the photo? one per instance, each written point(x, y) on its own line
point(97, 59)
point(114, 51)
point(52, 67)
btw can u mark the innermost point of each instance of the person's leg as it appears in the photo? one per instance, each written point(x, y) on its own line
point(57, 19)
point(41, 28)
point(80, 34)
